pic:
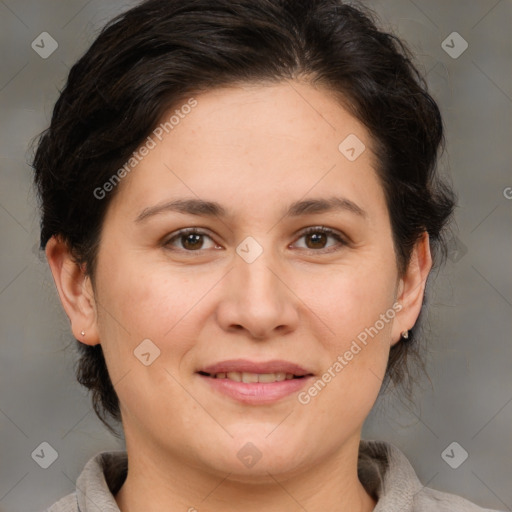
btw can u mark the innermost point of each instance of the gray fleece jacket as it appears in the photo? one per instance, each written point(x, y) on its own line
point(383, 470)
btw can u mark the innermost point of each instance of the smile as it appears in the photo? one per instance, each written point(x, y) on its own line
point(255, 383)
point(253, 377)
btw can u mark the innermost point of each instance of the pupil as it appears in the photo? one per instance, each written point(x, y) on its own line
point(192, 241)
point(317, 238)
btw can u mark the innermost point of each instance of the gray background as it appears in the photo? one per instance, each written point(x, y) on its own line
point(469, 400)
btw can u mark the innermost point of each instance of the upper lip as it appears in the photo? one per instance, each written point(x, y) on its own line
point(246, 366)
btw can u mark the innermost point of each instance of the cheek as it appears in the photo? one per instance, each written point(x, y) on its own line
point(355, 358)
point(141, 300)
point(352, 301)
point(357, 308)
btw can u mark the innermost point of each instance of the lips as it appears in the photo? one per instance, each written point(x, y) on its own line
point(255, 383)
point(239, 367)
point(248, 377)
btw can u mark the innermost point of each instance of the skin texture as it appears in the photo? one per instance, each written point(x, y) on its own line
point(255, 149)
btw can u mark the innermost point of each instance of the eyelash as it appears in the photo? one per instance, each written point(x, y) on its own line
point(313, 229)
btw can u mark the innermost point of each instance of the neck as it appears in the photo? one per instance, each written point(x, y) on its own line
point(155, 483)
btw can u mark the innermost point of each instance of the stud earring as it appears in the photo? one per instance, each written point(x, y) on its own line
point(405, 334)
point(82, 333)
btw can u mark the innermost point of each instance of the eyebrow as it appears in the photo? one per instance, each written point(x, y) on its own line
point(213, 209)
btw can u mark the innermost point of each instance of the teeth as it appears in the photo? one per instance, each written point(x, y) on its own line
point(234, 376)
point(272, 377)
point(254, 377)
point(249, 377)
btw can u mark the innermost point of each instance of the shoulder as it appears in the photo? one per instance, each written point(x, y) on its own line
point(432, 500)
point(66, 504)
point(98, 483)
point(388, 476)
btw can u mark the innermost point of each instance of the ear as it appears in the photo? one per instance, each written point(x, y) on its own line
point(75, 291)
point(411, 287)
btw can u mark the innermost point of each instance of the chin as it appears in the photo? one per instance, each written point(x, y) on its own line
point(250, 458)
point(263, 471)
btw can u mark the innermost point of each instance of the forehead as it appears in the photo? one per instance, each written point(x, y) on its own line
point(276, 142)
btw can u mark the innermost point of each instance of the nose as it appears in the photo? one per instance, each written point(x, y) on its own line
point(257, 299)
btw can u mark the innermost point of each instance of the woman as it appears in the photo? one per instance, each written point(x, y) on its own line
point(240, 209)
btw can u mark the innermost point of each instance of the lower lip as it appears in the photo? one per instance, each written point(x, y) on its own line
point(256, 392)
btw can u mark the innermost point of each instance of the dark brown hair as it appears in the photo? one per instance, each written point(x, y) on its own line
point(148, 59)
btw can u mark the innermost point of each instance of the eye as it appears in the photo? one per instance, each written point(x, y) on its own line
point(318, 236)
point(190, 239)
point(193, 239)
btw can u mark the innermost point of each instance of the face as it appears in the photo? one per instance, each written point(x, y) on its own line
point(248, 293)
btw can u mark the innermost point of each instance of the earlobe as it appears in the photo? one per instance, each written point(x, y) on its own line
point(75, 291)
point(411, 287)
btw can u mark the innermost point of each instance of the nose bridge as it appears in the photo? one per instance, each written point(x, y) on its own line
point(258, 299)
point(253, 267)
